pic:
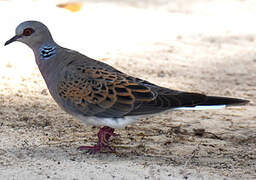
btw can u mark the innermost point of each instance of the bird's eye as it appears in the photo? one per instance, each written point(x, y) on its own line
point(28, 31)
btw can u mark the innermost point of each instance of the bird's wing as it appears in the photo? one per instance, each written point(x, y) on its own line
point(95, 91)
point(167, 99)
point(100, 92)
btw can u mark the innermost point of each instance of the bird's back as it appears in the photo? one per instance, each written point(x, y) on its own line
point(92, 88)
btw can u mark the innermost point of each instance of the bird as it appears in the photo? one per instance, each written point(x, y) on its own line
point(98, 94)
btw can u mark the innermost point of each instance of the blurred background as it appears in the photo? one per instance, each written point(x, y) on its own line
point(98, 27)
point(105, 28)
point(203, 46)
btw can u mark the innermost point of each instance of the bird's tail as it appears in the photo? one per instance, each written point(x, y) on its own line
point(215, 102)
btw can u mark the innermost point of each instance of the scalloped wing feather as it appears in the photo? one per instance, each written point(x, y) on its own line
point(106, 92)
point(102, 93)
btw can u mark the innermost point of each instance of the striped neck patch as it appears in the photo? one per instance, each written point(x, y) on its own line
point(46, 52)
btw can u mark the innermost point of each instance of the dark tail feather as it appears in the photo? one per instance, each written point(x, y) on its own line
point(215, 100)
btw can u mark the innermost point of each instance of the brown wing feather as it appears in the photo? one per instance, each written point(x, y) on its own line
point(106, 92)
point(102, 93)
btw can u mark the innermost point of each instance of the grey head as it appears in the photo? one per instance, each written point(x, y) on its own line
point(32, 33)
point(37, 36)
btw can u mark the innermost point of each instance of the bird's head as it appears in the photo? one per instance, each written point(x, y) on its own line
point(32, 33)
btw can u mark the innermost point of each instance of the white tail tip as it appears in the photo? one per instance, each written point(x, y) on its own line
point(201, 107)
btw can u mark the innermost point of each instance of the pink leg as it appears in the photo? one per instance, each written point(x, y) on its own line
point(103, 137)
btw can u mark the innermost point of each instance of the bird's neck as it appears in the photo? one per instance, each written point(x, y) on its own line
point(45, 55)
point(46, 51)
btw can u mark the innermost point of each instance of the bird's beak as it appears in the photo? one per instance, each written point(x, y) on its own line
point(12, 39)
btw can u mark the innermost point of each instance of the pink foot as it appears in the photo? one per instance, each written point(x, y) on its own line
point(103, 137)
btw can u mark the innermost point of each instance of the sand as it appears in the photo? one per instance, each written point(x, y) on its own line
point(198, 46)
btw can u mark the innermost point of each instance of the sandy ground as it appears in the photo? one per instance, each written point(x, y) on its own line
point(196, 45)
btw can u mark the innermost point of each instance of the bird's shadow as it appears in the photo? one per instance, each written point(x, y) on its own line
point(62, 154)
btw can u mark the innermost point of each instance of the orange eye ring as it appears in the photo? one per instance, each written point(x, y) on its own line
point(28, 31)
